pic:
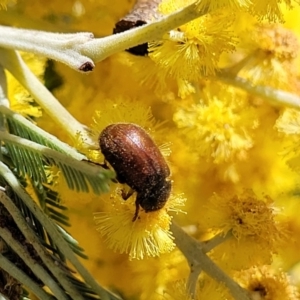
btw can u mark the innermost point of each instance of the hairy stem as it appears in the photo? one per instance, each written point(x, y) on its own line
point(57, 46)
point(215, 241)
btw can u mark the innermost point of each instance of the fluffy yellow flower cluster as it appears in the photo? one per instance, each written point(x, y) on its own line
point(257, 234)
point(265, 283)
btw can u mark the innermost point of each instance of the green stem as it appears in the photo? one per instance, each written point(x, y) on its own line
point(32, 264)
point(49, 138)
point(20, 276)
point(198, 261)
point(95, 175)
point(13, 62)
point(53, 232)
point(49, 153)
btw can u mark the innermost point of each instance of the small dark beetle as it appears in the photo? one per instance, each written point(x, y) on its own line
point(137, 162)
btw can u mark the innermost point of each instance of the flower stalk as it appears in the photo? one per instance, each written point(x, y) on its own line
point(198, 261)
point(272, 95)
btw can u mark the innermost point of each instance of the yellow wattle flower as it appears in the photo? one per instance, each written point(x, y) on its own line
point(267, 284)
point(257, 234)
point(289, 122)
point(223, 127)
point(193, 50)
point(147, 236)
point(272, 51)
point(268, 9)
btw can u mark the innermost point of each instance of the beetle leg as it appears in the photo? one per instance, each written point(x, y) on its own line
point(126, 195)
point(137, 208)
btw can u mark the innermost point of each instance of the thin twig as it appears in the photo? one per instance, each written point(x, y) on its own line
point(215, 241)
point(20, 276)
point(191, 285)
point(196, 269)
point(39, 271)
point(274, 96)
point(198, 261)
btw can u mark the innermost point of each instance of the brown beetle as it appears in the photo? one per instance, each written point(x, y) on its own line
point(137, 162)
